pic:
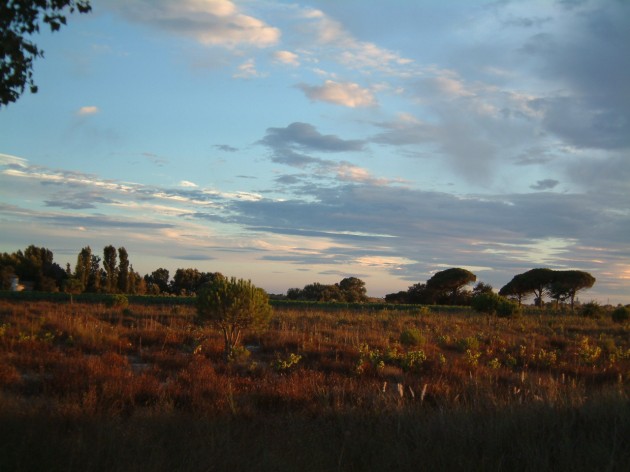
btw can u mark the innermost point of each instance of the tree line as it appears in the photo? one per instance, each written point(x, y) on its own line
point(112, 272)
point(447, 287)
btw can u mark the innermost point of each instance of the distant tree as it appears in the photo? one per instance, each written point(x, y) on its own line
point(111, 271)
point(534, 281)
point(566, 283)
point(160, 278)
point(124, 285)
point(232, 306)
point(421, 294)
point(514, 289)
point(136, 282)
point(318, 292)
point(189, 281)
point(8, 263)
point(481, 287)
point(538, 282)
point(95, 276)
point(448, 283)
point(185, 281)
point(83, 267)
point(36, 265)
point(19, 21)
point(353, 289)
point(398, 297)
point(72, 286)
point(294, 294)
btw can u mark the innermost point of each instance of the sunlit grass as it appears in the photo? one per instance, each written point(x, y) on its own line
point(346, 379)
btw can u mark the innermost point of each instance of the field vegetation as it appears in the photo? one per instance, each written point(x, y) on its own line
point(128, 386)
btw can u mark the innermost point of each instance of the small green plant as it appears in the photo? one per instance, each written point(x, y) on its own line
point(117, 301)
point(468, 343)
point(283, 365)
point(412, 337)
point(412, 361)
point(588, 354)
point(494, 363)
point(472, 357)
point(239, 354)
point(546, 358)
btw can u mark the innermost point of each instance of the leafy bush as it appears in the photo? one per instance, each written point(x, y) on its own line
point(621, 314)
point(491, 303)
point(469, 343)
point(507, 308)
point(233, 305)
point(591, 309)
point(412, 337)
point(117, 301)
point(486, 302)
point(412, 361)
point(283, 365)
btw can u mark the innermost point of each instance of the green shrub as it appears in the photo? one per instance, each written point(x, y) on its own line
point(621, 314)
point(507, 308)
point(412, 361)
point(591, 309)
point(412, 337)
point(233, 305)
point(117, 301)
point(486, 302)
point(469, 343)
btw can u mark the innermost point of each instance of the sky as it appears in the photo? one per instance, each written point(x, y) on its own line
point(292, 142)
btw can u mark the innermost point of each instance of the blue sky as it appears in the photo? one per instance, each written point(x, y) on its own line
point(300, 142)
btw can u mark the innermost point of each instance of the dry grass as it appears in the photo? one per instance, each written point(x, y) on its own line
point(85, 387)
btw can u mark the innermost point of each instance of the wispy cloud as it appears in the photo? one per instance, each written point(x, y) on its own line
point(546, 184)
point(347, 94)
point(88, 110)
point(210, 22)
point(247, 70)
point(287, 57)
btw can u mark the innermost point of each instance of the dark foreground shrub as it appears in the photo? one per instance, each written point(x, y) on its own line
point(592, 310)
point(621, 314)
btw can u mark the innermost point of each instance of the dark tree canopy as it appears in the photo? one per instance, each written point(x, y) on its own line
point(450, 281)
point(19, 20)
point(561, 285)
point(566, 284)
point(158, 278)
point(350, 289)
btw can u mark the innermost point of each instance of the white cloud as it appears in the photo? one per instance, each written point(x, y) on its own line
point(88, 110)
point(210, 22)
point(347, 94)
point(346, 49)
point(247, 70)
point(347, 172)
point(7, 159)
point(286, 57)
point(188, 184)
